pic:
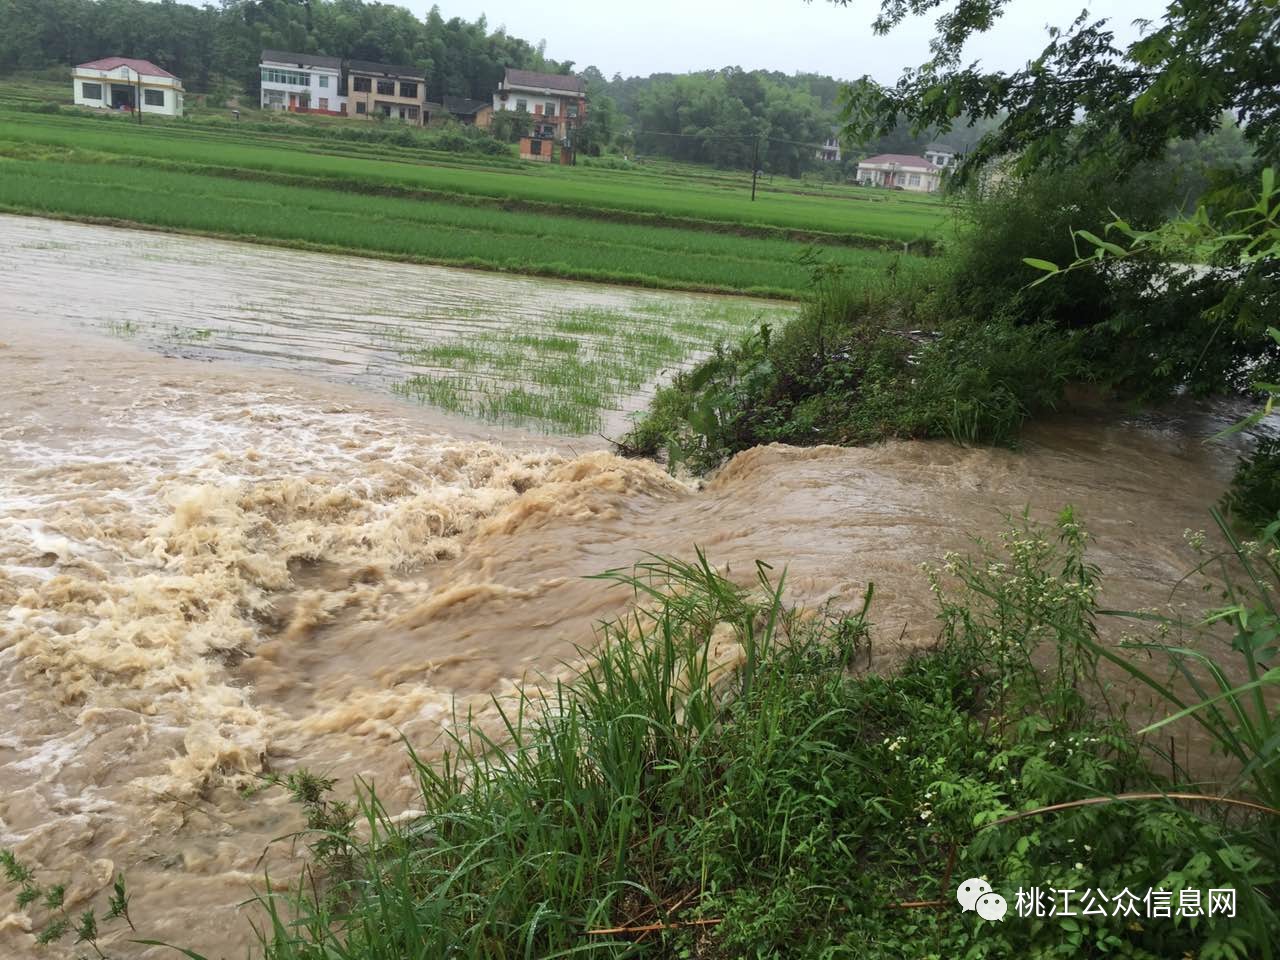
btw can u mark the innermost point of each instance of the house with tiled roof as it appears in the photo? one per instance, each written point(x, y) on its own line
point(125, 83)
point(473, 113)
point(387, 90)
point(301, 82)
point(556, 104)
point(900, 171)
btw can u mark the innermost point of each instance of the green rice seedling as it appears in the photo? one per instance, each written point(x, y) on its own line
point(448, 393)
point(446, 355)
point(545, 343)
point(586, 322)
point(538, 373)
point(585, 193)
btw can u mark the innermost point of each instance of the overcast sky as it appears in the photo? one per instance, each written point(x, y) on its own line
point(654, 36)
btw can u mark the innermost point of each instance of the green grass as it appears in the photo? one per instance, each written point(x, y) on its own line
point(721, 769)
point(723, 780)
point(582, 189)
point(563, 373)
point(436, 232)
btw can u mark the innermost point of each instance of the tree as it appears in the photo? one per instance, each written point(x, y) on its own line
point(595, 134)
point(1082, 97)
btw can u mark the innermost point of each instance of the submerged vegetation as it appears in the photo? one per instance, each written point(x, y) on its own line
point(564, 372)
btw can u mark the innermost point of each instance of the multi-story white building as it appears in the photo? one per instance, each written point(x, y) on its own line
point(118, 83)
point(554, 101)
point(940, 155)
point(301, 82)
point(829, 152)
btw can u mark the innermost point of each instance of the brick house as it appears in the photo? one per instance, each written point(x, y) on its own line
point(386, 90)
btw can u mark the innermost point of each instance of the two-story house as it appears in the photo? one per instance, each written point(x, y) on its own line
point(301, 82)
point(829, 152)
point(123, 83)
point(556, 102)
point(940, 155)
point(386, 90)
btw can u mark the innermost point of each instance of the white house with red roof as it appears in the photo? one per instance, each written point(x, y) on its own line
point(122, 83)
point(901, 171)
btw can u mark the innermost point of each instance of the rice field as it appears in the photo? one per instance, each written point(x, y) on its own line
point(576, 188)
point(574, 370)
point(524, 351)
point(432, 231)
point(544, 355)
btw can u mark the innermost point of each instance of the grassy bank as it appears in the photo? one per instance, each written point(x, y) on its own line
point(861, 363)
point(724, 781)
point(773, 802)
point(973, 347)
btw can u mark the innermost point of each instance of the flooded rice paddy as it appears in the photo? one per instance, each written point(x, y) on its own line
point(554, 356)
point(224, 561)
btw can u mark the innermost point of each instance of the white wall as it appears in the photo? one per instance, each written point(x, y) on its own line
point(532, 97)
point(124, 77)
point(314, 88)
point(929, 180)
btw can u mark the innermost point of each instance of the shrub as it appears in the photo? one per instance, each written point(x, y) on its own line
point(1143, 325)
point(1254, 496)
point(850, 369)
point(719, 782)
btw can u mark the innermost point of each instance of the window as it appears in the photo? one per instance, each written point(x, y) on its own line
point(551, 109)
point(571, 111)
point(360, 108)
point(900, 178)
point(324, 103)
point(387, 87)
point(361, 85)
point(522, 106)
point(913, 180)
point(91, 91)
point(535, 147)
point(409, 90)
point(275, 98)
point(324, 81)
point(153, 98)
point(289, 78)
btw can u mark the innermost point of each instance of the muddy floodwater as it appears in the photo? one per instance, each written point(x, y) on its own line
point(212, 567)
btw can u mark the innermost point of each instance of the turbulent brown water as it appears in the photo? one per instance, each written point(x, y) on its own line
point(209, 571)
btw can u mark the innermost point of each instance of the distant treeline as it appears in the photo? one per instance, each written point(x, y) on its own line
point(713, 116)
point(210, 47)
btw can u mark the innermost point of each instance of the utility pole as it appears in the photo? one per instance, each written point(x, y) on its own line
point(755, 164)
point(137, 107)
